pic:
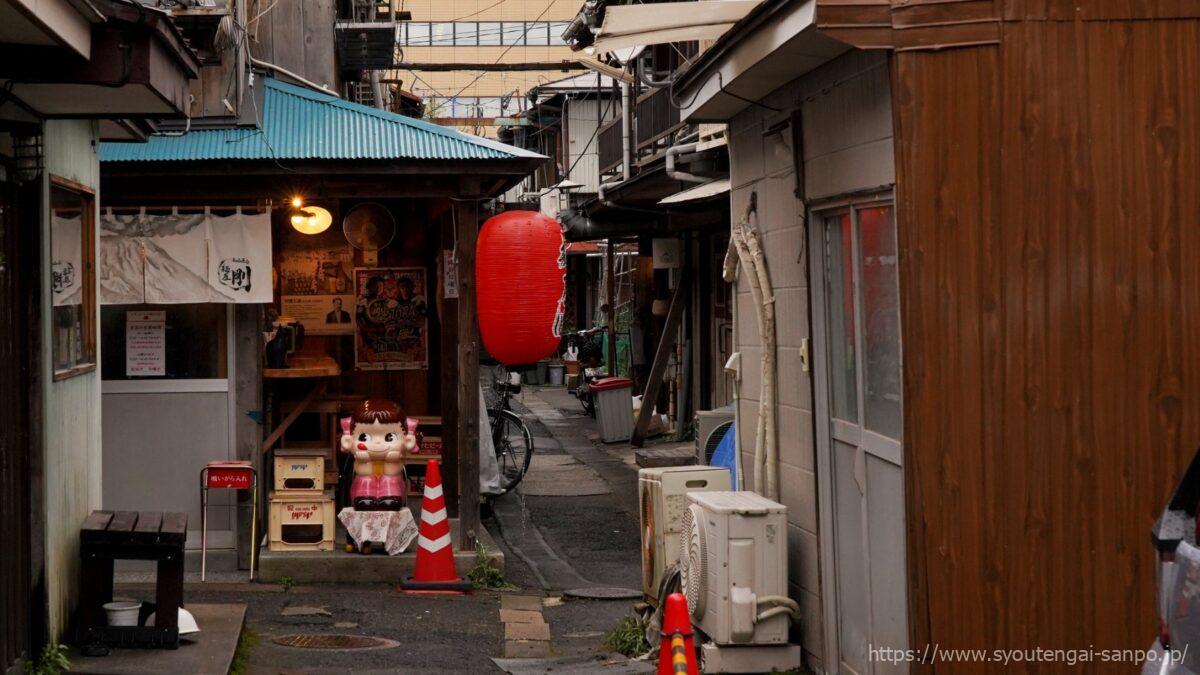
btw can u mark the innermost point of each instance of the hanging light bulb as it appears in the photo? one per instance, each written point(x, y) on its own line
point(311, 220)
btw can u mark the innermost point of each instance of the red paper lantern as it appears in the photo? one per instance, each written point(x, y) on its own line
point(520, 272)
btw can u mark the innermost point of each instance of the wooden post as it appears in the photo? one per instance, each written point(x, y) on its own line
point(466, 217)
point(662, 355)
point(248, 433)
point(611, 284)
point(449, 366)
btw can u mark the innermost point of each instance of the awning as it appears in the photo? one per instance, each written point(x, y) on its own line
point(635, 25)
point(699, 193)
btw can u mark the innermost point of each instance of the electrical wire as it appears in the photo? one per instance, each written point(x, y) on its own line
point(507, 49)
point(582, 152)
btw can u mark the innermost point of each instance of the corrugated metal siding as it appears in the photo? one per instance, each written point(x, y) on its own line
point(583, 142)
point(301, 124)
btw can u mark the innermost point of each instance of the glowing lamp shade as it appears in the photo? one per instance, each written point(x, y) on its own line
point(312, 220)
point(520, 275)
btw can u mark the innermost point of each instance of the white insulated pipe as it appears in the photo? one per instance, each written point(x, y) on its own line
point(746, 249)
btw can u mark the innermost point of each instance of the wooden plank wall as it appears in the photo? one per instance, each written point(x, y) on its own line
point(297, 35)
point(1049, 231)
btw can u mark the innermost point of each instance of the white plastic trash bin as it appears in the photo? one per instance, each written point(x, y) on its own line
point(614, 408)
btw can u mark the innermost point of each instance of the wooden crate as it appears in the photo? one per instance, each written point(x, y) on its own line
point(299, 469)
point(301, 521)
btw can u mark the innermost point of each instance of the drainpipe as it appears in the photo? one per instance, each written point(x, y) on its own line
point(674, 152)
point(626, 131)
point(626, 145)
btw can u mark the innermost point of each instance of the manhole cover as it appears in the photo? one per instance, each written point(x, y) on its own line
point(332, 641)
point(603, 593)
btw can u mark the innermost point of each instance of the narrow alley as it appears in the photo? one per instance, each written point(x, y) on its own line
point(569, 535)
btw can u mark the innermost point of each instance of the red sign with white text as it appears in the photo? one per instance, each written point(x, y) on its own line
point(234, 478)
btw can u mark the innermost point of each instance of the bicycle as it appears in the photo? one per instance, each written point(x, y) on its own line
point(510, 436)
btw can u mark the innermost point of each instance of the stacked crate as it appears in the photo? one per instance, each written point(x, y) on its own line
point(301, 515)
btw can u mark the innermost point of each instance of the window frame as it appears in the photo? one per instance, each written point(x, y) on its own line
point(87, 255)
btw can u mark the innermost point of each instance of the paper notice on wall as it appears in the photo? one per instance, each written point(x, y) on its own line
point(449, 274)
point(146, 344)
point(321, 314)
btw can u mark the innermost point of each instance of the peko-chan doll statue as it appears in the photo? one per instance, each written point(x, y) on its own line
point(377, 436)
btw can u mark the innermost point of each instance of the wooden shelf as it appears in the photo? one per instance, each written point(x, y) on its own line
point(305, 366)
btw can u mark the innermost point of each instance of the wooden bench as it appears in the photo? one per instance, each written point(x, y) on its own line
point(131, 535)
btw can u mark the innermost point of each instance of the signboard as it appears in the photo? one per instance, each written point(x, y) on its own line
point(316, 287)
point(229, 477)
point(449, 275)
point(146, 344)
point(391, 328)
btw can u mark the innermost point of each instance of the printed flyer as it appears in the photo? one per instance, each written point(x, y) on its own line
point(391, 318)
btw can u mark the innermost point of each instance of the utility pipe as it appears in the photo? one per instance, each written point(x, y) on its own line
point(673, 153)
point(626, 145)
point(746, 249)
point(284, 71)
point(626, 131)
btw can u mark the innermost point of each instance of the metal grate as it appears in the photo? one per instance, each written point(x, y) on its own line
point(330, 641)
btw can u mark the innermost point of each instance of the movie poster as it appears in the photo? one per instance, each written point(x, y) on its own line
point(316, 284)
point(391, 318)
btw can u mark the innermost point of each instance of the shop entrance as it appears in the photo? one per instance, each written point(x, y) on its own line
point(159, 432)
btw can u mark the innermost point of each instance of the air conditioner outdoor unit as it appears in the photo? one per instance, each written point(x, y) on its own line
point(710, 429)
point(733, 555)
point(662, 496)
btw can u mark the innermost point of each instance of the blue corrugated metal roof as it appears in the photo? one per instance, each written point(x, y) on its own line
point(299, 123)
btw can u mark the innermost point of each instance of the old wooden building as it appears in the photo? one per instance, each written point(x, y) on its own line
point(980, 216)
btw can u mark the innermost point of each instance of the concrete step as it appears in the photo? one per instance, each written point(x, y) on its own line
point(338, 566)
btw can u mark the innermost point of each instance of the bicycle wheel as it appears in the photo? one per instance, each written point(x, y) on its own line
point(514, 446)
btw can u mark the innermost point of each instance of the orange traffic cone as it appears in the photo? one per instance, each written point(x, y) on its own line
point(678, 651)
point(434, 570)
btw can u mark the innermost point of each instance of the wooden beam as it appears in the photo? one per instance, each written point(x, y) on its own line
point(280, 430)
point(466, 223)
point(661, 357)
point(605, 69)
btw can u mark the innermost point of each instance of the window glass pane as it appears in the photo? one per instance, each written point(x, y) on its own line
point(71, 283)
point(195, 340)
point(489, 33)
point(490, 107)
point(881, 314)
point(418, 34)
point(514, 33)
point(466, 33)
point(839, 281)
point(441, 34)
point(538, 34)
point(556, 31)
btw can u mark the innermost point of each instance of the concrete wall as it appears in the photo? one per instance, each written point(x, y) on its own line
point(847, 146)
point(71, 407)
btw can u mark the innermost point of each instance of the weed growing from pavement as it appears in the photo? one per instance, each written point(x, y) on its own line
point(628, 638)
point(287, 583)
point(485, 575)
point(52, 661)
point(241, 656)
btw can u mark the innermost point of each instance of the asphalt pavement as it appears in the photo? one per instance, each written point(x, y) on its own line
point(572, 525)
